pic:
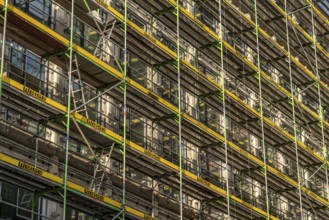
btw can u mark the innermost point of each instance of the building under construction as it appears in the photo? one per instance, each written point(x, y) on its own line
point(164, 109)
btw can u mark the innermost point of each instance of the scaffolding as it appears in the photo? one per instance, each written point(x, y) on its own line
point(164, 109)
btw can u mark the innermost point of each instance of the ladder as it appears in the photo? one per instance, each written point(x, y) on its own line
point(105, 26)
point(101, 168)
point(77, 90)
point(103, 45)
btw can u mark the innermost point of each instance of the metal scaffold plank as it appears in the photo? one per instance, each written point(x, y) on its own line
point(276, 44)
point(261, 31)
point(264, 75)
point(108, 133)
point(105, 66)
point(180, 145)
point(269, 79)
point(134, 84)
point(294, 115)
point(202, 128)
point(73, 187)
point(323, 142)
point(261, 111)
point(283, 50)
point(309, 37)
point(222, 75)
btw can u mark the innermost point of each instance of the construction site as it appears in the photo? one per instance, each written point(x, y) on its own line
point(164, 109)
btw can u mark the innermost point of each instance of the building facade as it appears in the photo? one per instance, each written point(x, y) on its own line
point(164, 109)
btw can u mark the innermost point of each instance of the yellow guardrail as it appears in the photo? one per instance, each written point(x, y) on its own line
point(231, 95)
point(144, 90)
point(72, 186)
point(104, 131)
point(310, 38)
point(283, 50)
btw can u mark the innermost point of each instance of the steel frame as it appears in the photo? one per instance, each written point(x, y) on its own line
point(3, 16)
point(224, 95)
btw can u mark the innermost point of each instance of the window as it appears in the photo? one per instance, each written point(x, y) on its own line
point(90, 38)
point(61, 20)
point(15, 197)
point(3, 113)
point(170, 90)
point(78, 32)
point(36, 8)
point(183, 3)
point(50, 209)
point(137, 70)
point(17, 55)
point(206, 17)
point(40, 9)
point(24, 201)
point(33, 65)
point(137, 129)
point(8, 193)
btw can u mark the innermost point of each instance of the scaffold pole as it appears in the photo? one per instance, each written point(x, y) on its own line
point(179, 112)
point(261, 111)
point(222, 82)
point(124, 143)
point(293, 111)
point(68, 110)
point(3, 44)
point(318, 84)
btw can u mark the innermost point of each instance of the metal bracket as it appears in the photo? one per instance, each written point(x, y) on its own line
point(165, 10)
point(280, 100)
point(283, 144)
point(165, 117)
point(251, 120)
point(164, 63)
point(202, 96)
point(252, 169)
point(213, 145)
point(215, 43)
point(311, 123)
point(286, 190)
point(247, 74)
point(164, 175)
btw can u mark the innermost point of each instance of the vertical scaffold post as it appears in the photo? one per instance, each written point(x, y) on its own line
point(293, 111)
point(3, 43)
point(179, 113)
point(124, 110)
point(324, 148)
point(222, 82)
point(68, 108)
point(261, 112)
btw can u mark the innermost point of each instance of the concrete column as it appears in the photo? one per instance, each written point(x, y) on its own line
point(155, 203)
point(53, 168)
